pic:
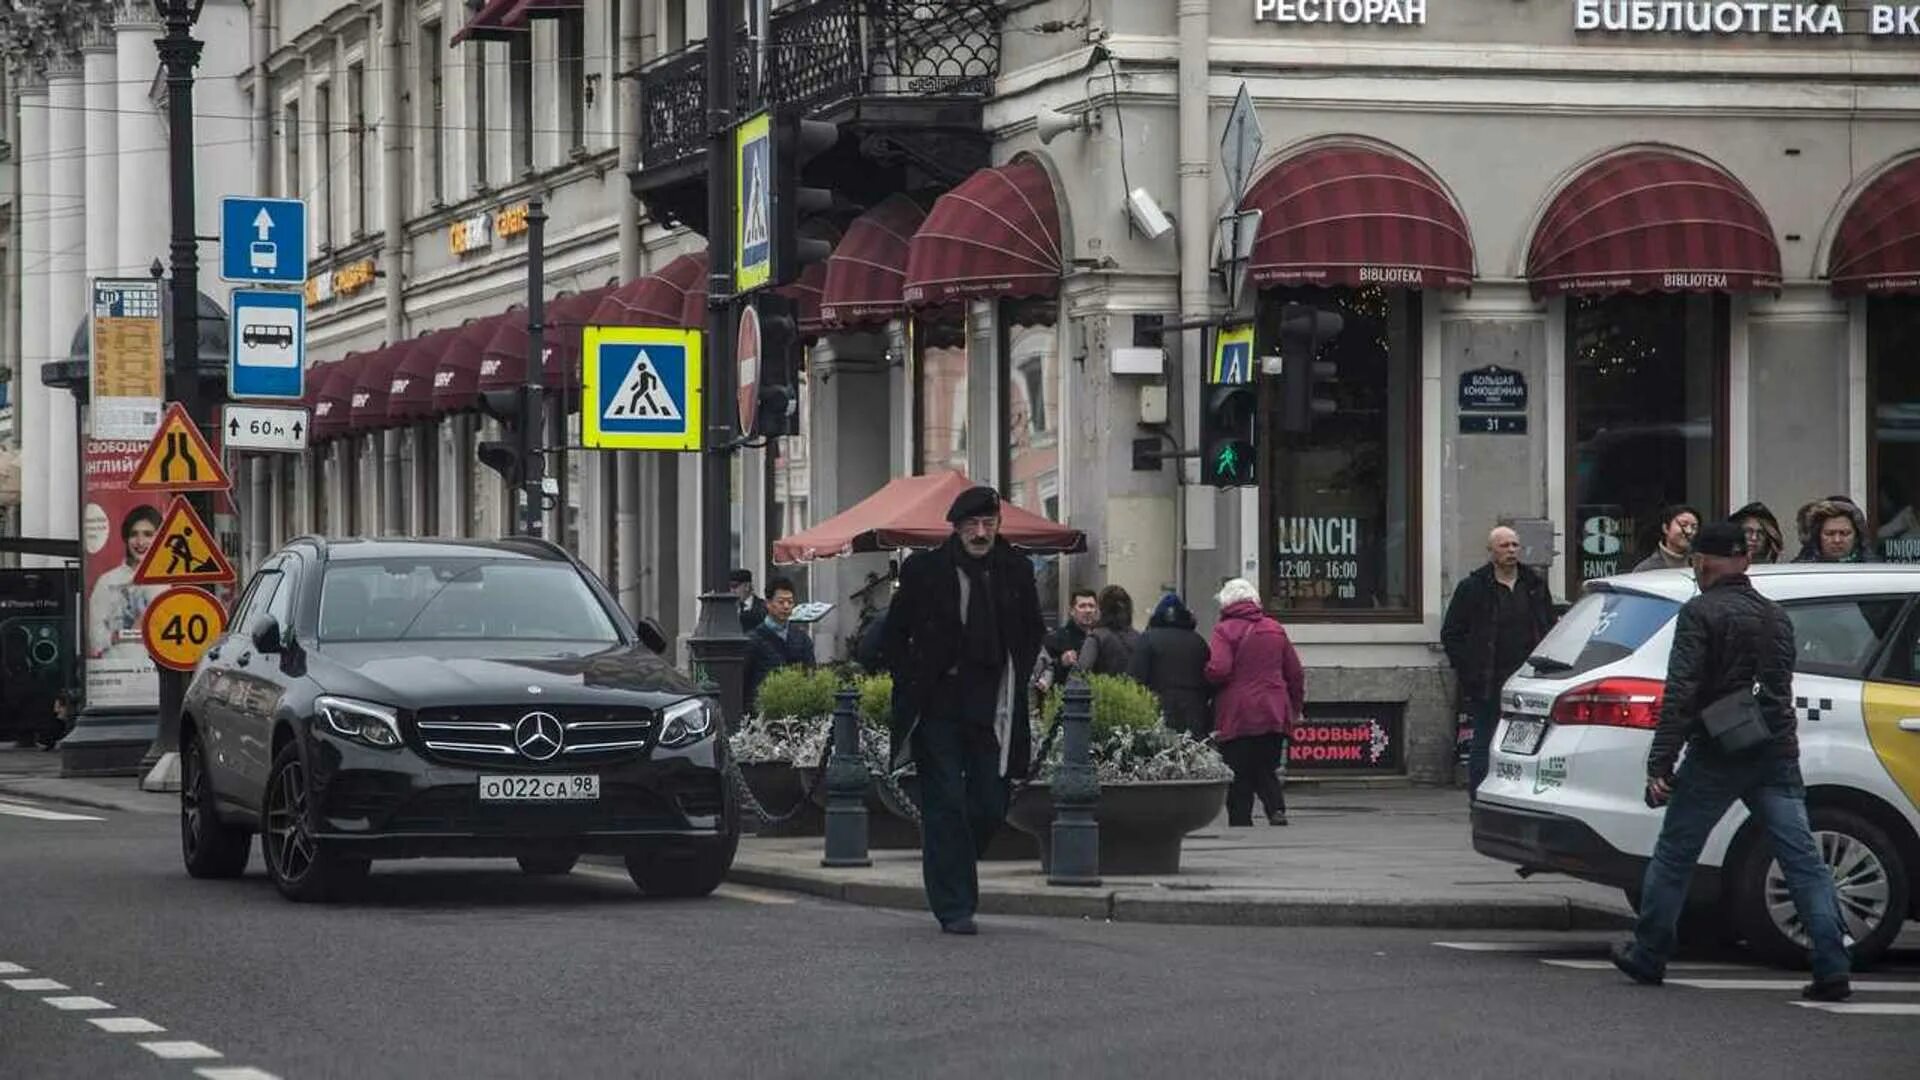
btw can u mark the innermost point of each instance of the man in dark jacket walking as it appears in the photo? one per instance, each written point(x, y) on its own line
point(1729, 641)
point(962, 637)
point(1171, 660)
point(1498, 614)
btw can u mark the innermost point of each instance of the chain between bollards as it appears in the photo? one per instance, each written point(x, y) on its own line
point(1075, 843)
point(847, 780)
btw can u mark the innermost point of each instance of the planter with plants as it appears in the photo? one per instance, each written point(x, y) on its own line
point(1156, 785)
point(794, 704)
point(892, 820)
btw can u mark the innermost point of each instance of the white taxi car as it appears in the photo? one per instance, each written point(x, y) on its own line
point(1564, 789)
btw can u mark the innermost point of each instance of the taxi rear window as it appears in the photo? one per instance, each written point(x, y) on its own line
point(1600, 628)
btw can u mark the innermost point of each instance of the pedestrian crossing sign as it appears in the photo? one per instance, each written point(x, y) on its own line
point(642, 388)
point(183, 552)
point(1232, 356)
point(753, 203)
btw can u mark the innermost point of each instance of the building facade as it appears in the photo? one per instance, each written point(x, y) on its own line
point(1588, 258)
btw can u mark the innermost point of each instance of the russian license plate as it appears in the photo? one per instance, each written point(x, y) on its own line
point(1523, 736)
point(577, 788)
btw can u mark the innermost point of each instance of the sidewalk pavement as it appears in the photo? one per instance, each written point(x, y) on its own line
point(33, 773)
point(1353, 856)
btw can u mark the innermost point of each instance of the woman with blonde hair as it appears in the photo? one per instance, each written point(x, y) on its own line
point(1262, 692)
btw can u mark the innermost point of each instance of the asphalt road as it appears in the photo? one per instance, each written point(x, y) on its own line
point(445, 969)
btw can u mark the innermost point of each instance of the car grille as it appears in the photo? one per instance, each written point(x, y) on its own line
point(483, 735)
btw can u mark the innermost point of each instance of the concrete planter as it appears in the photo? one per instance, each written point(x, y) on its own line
point(886, 830)
point(776, 784)
point(1141, 824)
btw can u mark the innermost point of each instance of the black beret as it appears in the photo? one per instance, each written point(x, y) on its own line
point(974, 502)
point(1720, 538)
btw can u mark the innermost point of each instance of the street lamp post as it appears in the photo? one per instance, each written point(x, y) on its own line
point(179, 53)
point(532, 429)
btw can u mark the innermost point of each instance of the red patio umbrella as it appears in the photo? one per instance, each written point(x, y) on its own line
point(911, 512)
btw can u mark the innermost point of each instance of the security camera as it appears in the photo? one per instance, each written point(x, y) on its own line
point(1051, 124)
point(1147, 215)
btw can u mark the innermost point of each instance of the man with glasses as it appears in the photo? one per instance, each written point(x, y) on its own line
point(1678, 523)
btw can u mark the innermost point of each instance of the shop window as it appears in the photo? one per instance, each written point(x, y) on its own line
point(1030, 401)
point(1893, 340)
point(791, 476)
point(940, 393)
point(1646, 385)
point(1340, 500)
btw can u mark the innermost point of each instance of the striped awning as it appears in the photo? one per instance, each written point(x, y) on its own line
point(866, 275)
point(674, 296)
point(997, 234)
point(330, 395)
point(1356, 215)
point(1877, 249)
point(494, 21)
point(367, 409)
point(1653, 221)
point(456, 379)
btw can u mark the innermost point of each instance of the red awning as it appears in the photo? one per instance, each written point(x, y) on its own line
point(331, 390)
point(1877, 249)
point(674, 296)
point(1354, 215)
point(1653, 221)
point(368, 408)
point(410, 397)
point(997, 234)
point(456, 379)
point(867, 272)
point(522, 10)
point(567, 317)
point(503, 364)
point(493, 22)
point(911, 512)
point(805, 292)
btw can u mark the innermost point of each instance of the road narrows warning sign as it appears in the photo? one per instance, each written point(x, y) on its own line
point(183, 552)
point(180, 624)
point(179, 459)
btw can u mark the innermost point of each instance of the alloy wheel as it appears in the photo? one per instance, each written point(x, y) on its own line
point(1858, 877)
point(288, 843)
point(190, 808)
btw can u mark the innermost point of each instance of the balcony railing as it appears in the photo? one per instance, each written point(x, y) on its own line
point(827, 51)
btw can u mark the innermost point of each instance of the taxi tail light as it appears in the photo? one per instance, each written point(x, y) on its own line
point(1627, 703)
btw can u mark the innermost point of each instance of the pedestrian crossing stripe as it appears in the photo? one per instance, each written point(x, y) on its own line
point(183, 552)
point(642, 388)
point(179, 458)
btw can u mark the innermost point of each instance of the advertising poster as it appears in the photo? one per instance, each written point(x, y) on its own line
point(117, 529)
point(117, 526)
point(1357, 737)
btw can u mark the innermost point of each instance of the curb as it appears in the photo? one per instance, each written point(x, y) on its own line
point(29, 788)
point(1148, 904)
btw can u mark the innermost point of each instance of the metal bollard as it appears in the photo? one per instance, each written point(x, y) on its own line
point(1076, 795)
point(846, 787)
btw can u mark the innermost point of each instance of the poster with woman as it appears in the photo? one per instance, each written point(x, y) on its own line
point(119, 527)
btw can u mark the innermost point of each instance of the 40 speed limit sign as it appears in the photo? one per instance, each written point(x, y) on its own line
point(179, 626)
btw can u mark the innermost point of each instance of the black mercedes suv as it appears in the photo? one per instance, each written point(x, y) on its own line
point(389, 699)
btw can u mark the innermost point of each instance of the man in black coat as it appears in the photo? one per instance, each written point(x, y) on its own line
point(1171, 660)
point(962, 636)
point(1731, 643)
point(1498, 614)
point(752, 608)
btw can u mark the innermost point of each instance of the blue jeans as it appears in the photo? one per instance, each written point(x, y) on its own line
point(1486, 717)
point(1773, 792)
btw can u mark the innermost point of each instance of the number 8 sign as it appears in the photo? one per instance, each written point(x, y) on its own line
point(180, 625)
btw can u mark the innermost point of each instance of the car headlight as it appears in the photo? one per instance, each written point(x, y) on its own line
point(687, 723)
point(361, 721)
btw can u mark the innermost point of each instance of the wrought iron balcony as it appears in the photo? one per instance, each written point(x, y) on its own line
point(825, 52)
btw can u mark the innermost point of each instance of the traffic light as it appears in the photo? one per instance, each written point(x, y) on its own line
point(517, 409)
point(1304, 331)
point(777, 412)
point(796, 141)
point(1227, 434)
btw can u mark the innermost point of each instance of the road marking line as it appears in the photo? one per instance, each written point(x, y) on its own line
point(179, 1051)
point(11, 969)
point(27, 810)
point(752, 895)
point(1678, 965)
point(242, 1072)
point(1875, 1008)
point(36, 984)
point(1866, 986)
point(77, 1004)
point(1525, 946)
point(125, 1025)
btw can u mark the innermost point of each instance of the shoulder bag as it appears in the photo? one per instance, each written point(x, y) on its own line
point(1734, 722)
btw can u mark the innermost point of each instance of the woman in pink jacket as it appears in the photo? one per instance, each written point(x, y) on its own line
point(1262, 690)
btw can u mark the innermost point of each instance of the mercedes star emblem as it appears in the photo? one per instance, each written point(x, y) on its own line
point(538, 735)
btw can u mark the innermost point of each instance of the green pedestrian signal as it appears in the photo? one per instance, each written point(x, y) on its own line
point(1227, 434)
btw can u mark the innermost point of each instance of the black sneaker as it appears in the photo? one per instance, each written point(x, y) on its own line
point(964, 926)
point(1622, 956)
point(1839, 989)
point(1278, 817)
